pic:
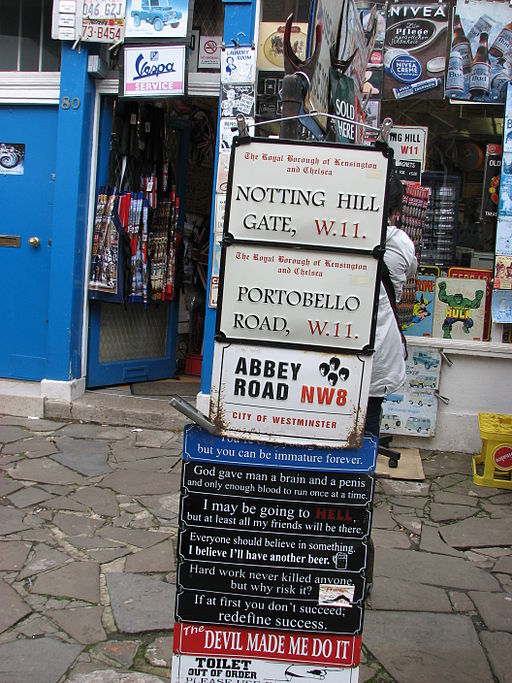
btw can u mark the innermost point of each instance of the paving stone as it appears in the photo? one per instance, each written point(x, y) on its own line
point(478, 532)
point(123, 453)
point(152, 437)
point(92, 542)
point(78, 580)
point(30, 495)
point(44, 660)
point(11, 521)
point(432, 542)
point(461, 602)
point(64, 503)
point(159, 652)
point(409, 522)
point(111, 676)
point(162, 464)
point(439, 512)
point(102, 501)
point(390, 539)
point(44, 470)
point(495, 510)
point(136, 537)
point(109, 554)
point(159, 558)
point(398, 487)
point(397, 594)
point(447, 463)
point(83, 624)
point(423, 647)
point(166, 506)
point(33, 447)
point(89, 458)
point(13, 554)
point(38, 535)
point(446, 481)
point(8, 486)
point(76, 525)
point(495, 609)
point(13, 608)
point(454, 499)
point(503, 498)
point(479, 560)
point(141, 604)
point(36, 626)
point(94, 431)
point(381, 518)
point(504, 565)
point(408, 501)
point(499, 646)
point(435, 570)
point(43, 559)
point(121, 651)
point(10, 434)
point(137, 483)
point(32, 424)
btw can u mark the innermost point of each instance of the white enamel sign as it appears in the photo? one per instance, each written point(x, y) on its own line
point(317, 195)
point(289, 396)
point(303, 298)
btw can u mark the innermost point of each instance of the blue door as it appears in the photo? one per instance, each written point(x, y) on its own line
point(27, 164)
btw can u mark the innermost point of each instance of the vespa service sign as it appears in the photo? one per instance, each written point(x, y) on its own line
point(155, 71)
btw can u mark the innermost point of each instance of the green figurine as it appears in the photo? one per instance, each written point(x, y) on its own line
point(459, 309)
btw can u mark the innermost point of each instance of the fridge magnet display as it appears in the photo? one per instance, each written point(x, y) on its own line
point(481, 42)
point(503, 272)
point(238, 65)
point(154, 71)
point(415, 50)
point(502, 306)
point(209, 52)
point(270, 44)
point(156, 19)
point(12, 158)
point(459, 309)
point(412, 410)
point(237, 99)
point(491, 184)
point(504, 236)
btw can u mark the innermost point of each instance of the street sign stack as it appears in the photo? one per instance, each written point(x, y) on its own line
point(276, 506)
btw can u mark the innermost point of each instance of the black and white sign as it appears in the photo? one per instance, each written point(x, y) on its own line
point(281, 517)
point(232, 480)
point(315, 194)
point(301, 298)
point(289, 396)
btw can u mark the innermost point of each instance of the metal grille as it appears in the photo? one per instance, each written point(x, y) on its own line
point(133, 332)
point(209, 17)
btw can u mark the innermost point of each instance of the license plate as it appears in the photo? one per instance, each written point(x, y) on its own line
point(102, 30)
point(101, 9)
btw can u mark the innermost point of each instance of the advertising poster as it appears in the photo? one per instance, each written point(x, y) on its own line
point(270, 44)
point(301, 648)
point(412, 410)
point(237, 99)
point(481, 41)
point(209, 52)
point(147, 19)
point(478, 274)
point(491, 188)
point(286, 395)
point(459, 309)
point(154, 71)
point(415, 50)
point(420, 324)
point(226, 670)
point(12, 158)
point(238, 65)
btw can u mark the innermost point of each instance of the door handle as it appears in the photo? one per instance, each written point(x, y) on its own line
point(34, 242)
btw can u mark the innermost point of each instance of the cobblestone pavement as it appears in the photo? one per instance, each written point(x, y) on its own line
point(88, 527)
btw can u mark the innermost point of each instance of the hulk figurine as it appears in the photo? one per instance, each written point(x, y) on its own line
point(459, 309)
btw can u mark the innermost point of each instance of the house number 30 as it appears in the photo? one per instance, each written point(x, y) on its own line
point(67, 103)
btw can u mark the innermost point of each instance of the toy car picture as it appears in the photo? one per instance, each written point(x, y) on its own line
point(156, 18)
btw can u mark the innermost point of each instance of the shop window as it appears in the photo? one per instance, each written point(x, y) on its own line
point(25, 32)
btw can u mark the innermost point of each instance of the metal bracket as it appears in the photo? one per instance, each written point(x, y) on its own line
point(447, 360)
point(190, 411)
point(443, 399)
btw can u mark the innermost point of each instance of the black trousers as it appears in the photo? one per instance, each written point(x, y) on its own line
point(372, 426)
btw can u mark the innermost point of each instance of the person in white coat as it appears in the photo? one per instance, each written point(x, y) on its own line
point(388, 369)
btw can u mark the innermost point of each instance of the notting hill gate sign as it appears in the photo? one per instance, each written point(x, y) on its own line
point(276, 505)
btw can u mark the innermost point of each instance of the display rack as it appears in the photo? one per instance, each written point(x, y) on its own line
point(440, 230)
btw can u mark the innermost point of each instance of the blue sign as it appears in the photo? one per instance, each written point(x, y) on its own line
point(200, 445)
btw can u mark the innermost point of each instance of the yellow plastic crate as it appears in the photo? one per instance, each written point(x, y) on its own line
point(493, 467)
